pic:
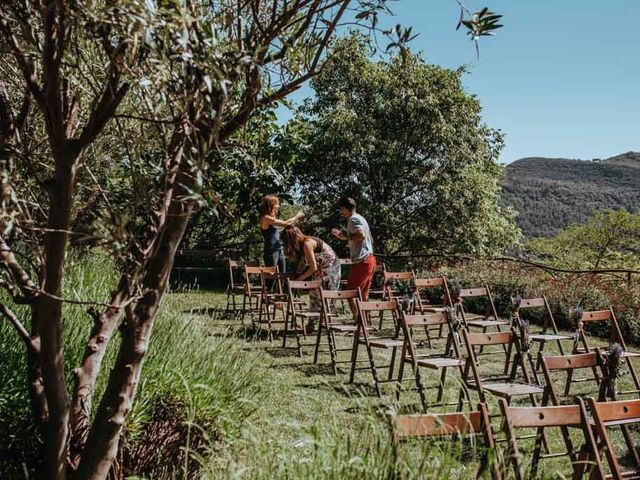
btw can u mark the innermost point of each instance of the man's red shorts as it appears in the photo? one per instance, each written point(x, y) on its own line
point(361, 274)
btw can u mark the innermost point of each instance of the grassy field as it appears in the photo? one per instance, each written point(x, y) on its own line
point(308, 423)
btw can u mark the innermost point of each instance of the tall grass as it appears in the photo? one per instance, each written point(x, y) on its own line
point(205, 386)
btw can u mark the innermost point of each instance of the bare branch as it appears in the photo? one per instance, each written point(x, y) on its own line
point(32, 343)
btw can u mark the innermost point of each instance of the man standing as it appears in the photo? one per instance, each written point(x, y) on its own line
point(358, 235)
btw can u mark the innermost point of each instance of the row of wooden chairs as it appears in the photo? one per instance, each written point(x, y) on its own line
point(463, 350)
point(268, 302)
point(593, 431)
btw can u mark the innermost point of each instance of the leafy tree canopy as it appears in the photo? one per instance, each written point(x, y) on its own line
point(610, 239)
point(405, 139)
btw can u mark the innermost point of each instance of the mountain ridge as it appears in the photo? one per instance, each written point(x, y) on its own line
point(552, 193)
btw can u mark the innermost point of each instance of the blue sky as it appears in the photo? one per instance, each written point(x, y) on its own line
point(560, 79)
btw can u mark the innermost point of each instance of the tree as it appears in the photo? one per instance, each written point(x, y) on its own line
point(126, 110)
point(405, 140)
point(184, 79)
point(609, 239)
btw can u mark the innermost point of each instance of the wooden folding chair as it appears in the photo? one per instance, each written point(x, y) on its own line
point(298, 311)
point(423, 305)
point(377, 284)
point(390, 281)
point(569, 364)
point(267, 302)
point(548, 323)
point(488, 319)
point(505, 385)
point(234, 287)
point(363, 337)
point(624, 413)
point(569, 416)
point(438, 362)
point(452, 426)
point(581, 343)
point(333, 325)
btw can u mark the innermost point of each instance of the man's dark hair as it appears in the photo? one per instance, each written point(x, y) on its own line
point(348, 203)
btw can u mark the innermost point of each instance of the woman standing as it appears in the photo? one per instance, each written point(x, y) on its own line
point(270, 226)
point(319, 261)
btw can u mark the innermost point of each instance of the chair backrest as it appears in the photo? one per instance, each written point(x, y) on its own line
point(251, 271)
point(515, 418)
point(512, 358)
point(233, 266)
point(428, 283)
point(307, 285)
point(443, 426)
point(379, 307)
point(493, 338)
point(329, 297)
point(391, 277)
point(409, 322)
point(340, 294)
point(475, 292)
point(535, 303)
point(594, 316)
point(619, 413)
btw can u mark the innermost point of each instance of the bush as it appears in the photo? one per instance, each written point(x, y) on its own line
point(562, 291)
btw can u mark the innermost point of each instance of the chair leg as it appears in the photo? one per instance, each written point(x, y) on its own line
point(443, 377)
point(318, 338)
point(332, 350)
point(354, 356)
point(374, 370)
point(400, 379)
point(394, 352)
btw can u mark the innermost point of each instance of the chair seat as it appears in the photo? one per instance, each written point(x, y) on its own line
point(512, 388)
point(385, 342)
point(487, 323)
point(308, 314)
point(543, 337)
point(343, 328)
point(430, 309)
point(624, 354)
point(440, 362)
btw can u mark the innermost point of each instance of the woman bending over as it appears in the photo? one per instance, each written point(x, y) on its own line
point(318, 259)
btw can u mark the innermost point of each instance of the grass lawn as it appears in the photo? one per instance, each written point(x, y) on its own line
point(308, 423)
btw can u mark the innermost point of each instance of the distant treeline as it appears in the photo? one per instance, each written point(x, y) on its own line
point(552, 193)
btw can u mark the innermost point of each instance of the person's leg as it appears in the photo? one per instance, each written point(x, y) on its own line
point(282, 264)
point(354, 281)
point(370, 264)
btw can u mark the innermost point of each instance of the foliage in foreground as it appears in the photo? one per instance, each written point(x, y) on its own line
point(190, 397)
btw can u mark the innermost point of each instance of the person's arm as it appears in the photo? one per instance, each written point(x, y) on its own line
point(340, 235)
point(310, 258)
point(269, 220)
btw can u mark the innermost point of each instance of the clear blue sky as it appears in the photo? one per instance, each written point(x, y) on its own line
point(560, 79)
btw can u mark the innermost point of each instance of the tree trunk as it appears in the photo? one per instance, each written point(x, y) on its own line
point(47, 316)
point(102, 444)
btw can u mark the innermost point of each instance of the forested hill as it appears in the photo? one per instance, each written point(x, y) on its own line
point(551, 193)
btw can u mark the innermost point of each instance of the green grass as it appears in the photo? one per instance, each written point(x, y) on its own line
point(312, 424)
point(216, 398)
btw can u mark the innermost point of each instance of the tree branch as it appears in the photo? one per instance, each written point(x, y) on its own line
point(32, 343)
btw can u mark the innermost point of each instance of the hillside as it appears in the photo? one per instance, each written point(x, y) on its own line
point(551, 193)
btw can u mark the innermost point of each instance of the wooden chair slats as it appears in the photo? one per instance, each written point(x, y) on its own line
point(444, 426)
point(622, 414)
point(496, 338)
point(585, 462)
